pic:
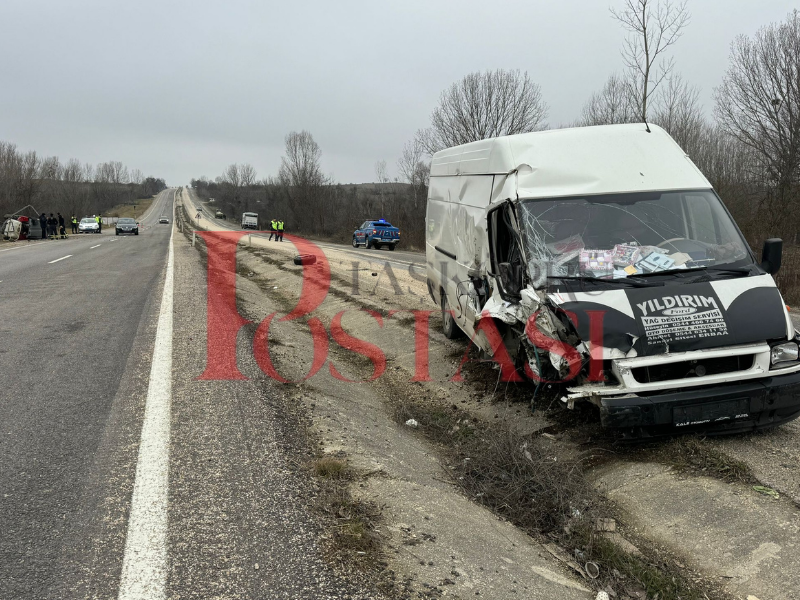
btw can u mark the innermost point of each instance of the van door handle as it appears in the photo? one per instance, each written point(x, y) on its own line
point(445, 252)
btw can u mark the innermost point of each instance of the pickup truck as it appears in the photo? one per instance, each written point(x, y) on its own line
point(376, 233)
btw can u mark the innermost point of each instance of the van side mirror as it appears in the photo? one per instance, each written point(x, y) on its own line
point(510, 278)
point(771, 255)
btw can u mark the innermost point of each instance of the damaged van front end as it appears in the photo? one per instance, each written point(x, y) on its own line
point(635, 291)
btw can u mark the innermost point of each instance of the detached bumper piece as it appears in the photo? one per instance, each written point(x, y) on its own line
point(727, 408)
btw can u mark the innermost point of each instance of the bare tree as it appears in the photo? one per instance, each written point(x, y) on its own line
point(300, 167)
point(301, 177)
point(73, 172)
point(29, 177)
point(615, 103)
point(247, 174)
point(88, 172)
point(382, 177)
point(758, 103)
point(677, 109)
point(413, 169)
point(232, 175)
point(485, 105)
point(653, 26)
point(51, 168)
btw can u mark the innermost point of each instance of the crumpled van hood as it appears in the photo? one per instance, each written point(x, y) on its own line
point(680, 317)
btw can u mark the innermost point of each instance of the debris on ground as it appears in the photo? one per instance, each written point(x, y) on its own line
point(305, 259)
point(767, 491)
point(412, 423)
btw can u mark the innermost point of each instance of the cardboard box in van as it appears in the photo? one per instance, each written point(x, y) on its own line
point(602, 258)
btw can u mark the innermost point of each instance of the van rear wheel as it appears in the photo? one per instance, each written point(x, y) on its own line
point(450, 328)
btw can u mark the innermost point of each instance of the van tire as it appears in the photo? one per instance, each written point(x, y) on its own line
point(392, 246)
point(450, 328)
point(355, 242)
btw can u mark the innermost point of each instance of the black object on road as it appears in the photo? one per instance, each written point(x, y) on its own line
point(305, 259)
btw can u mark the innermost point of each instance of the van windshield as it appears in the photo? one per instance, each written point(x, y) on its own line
point(619, 235)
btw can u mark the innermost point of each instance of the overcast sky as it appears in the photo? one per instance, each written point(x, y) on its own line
point(181, 89)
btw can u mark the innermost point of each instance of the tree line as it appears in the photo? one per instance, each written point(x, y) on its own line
point(748, 148)
point(38, 183)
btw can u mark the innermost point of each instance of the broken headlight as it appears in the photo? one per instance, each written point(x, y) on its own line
point(783, 353)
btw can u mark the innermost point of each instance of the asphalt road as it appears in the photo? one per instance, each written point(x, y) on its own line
point(123, 475)
point(402, 258)
point(76, 342)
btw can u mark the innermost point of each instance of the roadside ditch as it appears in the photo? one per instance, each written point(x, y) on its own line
point(563, 490)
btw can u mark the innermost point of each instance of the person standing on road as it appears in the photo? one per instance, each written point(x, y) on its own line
point(61, 223)
point(52, 223)
point(74, 222)
point(280, 231)
point(273, 230)
point(99, 220)
point(43, 225)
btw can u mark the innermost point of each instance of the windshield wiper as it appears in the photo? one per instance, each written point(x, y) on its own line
point(623, 280)
point(668, 272)
point(708, 271)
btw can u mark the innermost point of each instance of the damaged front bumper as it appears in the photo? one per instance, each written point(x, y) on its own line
point(730, 408)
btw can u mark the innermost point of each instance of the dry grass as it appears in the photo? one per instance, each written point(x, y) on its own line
point(700, 456)
point(534, 483)
point(127, 210)
point(354, 520)
point(328, 466)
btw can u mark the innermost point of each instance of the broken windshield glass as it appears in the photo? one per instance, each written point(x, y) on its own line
point(615, 236)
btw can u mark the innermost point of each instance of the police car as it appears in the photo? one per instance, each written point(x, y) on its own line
point(376, 233)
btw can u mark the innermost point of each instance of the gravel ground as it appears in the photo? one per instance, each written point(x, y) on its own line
point(240, 524)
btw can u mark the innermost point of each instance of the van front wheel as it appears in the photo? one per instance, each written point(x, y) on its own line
point(449, 326)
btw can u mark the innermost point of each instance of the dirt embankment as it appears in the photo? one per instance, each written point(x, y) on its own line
point(436, 537)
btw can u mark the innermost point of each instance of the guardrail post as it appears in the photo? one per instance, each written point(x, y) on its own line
point(194, 234)
point(250, 239)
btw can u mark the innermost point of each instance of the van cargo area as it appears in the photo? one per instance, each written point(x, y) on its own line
point(601, 259)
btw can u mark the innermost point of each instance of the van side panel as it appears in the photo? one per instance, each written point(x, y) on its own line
point(437, 234)
point(456, 223)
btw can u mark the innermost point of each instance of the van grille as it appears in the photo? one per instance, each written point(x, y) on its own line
point(689, 368)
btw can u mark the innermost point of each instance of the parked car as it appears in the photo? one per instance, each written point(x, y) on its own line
point(375, 233)
point(88, 225)
point(219, 215)
point(126, 225)
point(601, 258)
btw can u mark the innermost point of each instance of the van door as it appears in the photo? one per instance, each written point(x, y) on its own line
point(506, 251)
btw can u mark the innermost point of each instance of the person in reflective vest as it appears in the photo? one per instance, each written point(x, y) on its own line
point(74, 222)
point(273, 230)
point(99, 220)
point(280, 231)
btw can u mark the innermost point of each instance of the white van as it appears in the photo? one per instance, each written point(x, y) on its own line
point(249, 220)
point(637, 289)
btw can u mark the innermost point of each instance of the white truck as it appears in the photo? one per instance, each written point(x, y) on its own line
point(249, 220)
point(601, 259)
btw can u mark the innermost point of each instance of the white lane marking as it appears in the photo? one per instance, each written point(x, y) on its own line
point(144, 566)
point(93, 247)
point(58, 259)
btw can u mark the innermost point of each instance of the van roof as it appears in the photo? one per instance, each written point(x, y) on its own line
point(578, 161)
